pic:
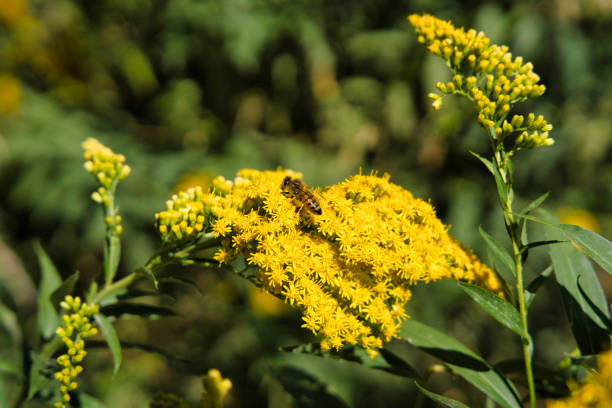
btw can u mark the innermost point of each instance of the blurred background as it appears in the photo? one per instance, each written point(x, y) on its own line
point(192, 89)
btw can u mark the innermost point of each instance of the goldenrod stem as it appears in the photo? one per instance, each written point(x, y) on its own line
point(513, 231)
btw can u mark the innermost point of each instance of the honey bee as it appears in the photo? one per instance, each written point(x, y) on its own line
point(300, 195)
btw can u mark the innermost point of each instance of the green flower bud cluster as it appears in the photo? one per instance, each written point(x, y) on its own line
point(76, 327)
point(109, 168)
point(185, 216)
point(486, 74)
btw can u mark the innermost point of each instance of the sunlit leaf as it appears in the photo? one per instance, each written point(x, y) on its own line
point(497, 249)
point(497, 307)
point(462, 360)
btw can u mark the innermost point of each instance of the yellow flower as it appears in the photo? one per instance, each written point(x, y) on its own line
point(349, 269)
point(10, 94)
point(75, 329)
point(487, 75)
point(595, 392)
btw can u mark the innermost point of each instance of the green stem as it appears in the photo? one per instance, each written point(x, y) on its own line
point(512, 227)
point(115, 287)
point(112, 244)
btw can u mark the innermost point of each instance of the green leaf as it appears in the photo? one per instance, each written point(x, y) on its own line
point(594, 245)
point(536, 244)
point(463, 361)
point(535, 284)
point(149, 275)
point(181, 281)
point(66, 288)
point(87, 401)
point(108, 331)
point(137, 309)
point(447, 402)
point(535, 203)
point(38, 378)
point(48, 318)
point(306, 390)
point(387, 360)
point(142, 347)
point(497, 249)
point(584, 300)
point(499, 182)
point(497, 307)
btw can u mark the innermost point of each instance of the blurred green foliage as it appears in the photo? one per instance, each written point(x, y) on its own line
point(190, 89)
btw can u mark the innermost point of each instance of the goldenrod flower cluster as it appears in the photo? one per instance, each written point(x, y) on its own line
point(76, 327)
point(109, 168)
point(348, 270)
point(489, 77)
point(595, 392)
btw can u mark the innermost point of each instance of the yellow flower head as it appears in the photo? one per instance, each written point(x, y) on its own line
point(595, 392)
point(489, 76)
point(348, 269)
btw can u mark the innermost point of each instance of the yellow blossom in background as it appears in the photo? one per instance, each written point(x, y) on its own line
point(348, 270)
point(264, 304)
point(215, 389)
point(577, 216)
point(595, 392)
point(489, 76)
point(12, 11)
point(10, 94)
point(76, 327)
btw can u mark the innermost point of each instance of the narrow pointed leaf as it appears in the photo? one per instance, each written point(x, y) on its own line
point(440, 399)
point(497, 249)
point(536, 244)
point(499, 182)
point(497, 307)
point(151, 276)
point(38, 380)
point(594, 245)
point(462, 360)
point(583, 297)
point(137, 309)
point(110, 335)
point(535, 203)
point(66, 288)
point(535, 284)
point(181, 281)
point(50, 279)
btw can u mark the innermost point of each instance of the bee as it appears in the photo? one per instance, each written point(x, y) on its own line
point(300, 195)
